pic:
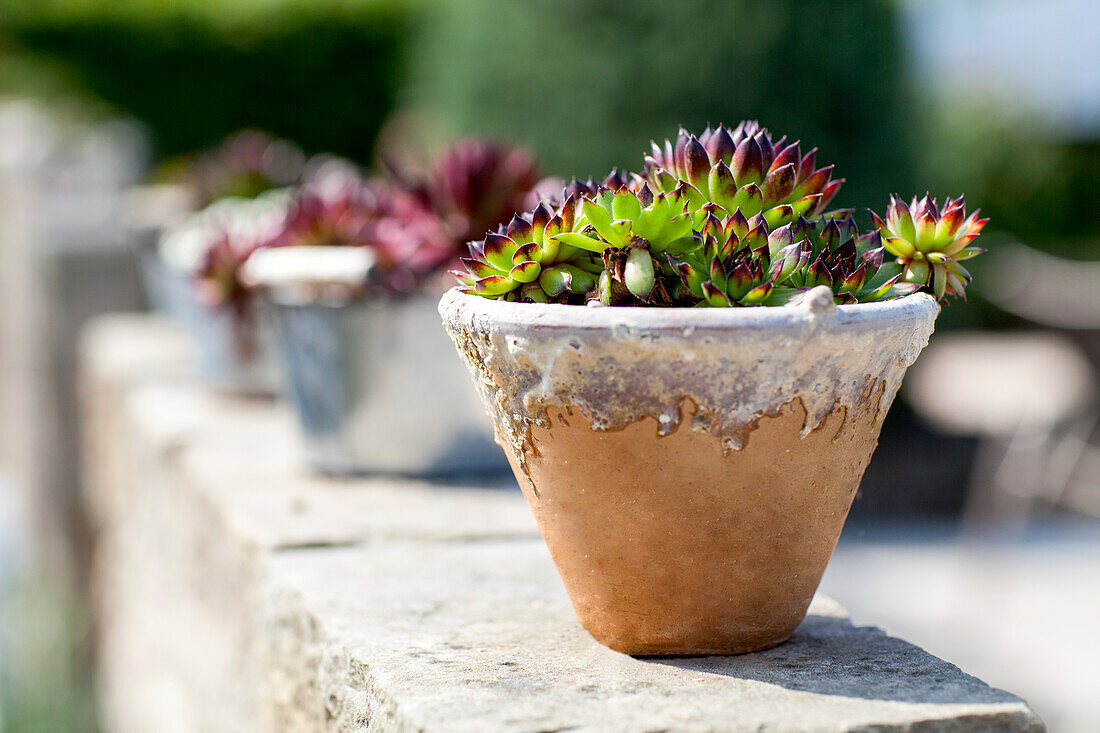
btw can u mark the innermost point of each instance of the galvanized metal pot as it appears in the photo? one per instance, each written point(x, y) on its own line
point(236, 352)
point(378, 389)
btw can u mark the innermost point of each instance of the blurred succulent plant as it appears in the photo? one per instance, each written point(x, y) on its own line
point(526, 260)
point(211, 247)
point(245, 165)
point(218, 275)
point(742, 169)
point(343, 209)
point(474, 186)
point(929, 244)
point(212, 244)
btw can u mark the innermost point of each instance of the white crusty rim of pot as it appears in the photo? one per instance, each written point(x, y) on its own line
point(818, 305)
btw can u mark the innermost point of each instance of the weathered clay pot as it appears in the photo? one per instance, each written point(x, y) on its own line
point(689, 469)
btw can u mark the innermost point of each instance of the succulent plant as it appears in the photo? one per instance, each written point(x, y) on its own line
point(218, 276)
point(742, 169)
point(474, 186)
point(526, 259)
point(244, 165)
point(343, 209)
point(930, 244)
point(731, 218)
point(629, 229)
point(211, 245)
point(742, 262)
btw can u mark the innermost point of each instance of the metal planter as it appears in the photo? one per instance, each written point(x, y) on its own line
point(235, 353)
point(378, 389)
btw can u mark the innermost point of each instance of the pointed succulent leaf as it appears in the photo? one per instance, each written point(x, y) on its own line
point(525, 272)
point(778, 215)
point(692, 199)
point(807, 167)
point(720, 146)
point(788, 155)
point(853, 282)
point(757, 295)
point(540, 217)
point(807, 205)
point(748, 163)
point(479, 269)
point(780, 238)
point(779, 184)
point(530, 252)
point(723, 187)
point(829, 193)
point(814, 184)
point(714, 296)
point(520, 229)
point(581, 241)
point(898, 247)
point(869, 242)
point(696, 164)
point(597, 216)
point(749, 200)
point(498, 250)
point(625, 205)
point(464, 278)
point(767, 152)
point(495, 285)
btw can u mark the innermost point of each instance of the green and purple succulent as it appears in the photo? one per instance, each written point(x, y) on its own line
point(728, 218)
point(743, 169)
point(527, 260)
point(930, 244)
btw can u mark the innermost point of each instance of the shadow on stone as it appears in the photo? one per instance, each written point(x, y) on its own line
point(830, 656)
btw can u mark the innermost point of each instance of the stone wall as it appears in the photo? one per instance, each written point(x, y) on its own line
point(235, 591)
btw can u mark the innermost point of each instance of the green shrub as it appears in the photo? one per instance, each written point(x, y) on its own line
point(323, 74)
point(588, 83)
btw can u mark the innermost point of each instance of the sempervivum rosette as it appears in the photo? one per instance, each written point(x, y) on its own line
point(212, 245)
point(245, 165)
point(743, 169)
point(474, 186)
point(929, 245)
point(632, 231)
point(526, 261)
point(742, 262)
point(344, 210)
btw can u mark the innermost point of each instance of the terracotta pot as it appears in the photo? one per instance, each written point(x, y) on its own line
point(689, 469)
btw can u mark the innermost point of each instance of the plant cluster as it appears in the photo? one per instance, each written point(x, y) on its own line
point(726, 218)
point(245, 165)
point(472, 187)
point(417, 224)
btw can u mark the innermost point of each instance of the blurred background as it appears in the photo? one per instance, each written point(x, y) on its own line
point(976, 533)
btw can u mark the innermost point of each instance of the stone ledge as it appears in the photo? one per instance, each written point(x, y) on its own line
point(237, 592)
point(480, 637)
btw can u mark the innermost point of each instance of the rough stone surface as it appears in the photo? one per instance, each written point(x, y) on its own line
point(480, 637)
point(238, 593)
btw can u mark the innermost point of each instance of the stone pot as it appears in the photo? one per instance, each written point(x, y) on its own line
point(690, 469)
point(372, 377)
